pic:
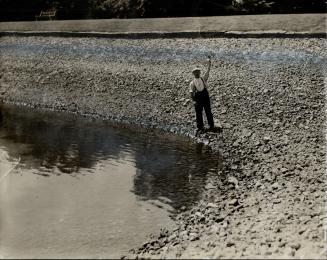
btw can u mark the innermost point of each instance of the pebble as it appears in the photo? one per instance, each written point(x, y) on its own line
point(220, 219)
point(284, 169)
point(282, 244)
point(233, 180)
point(295, 246)
point(266, 138)
point(234, 202)
point(209, 186)
point(212, 205)
point(275, 186)
point(230, 243)
point(301, 231)
point(194, 236)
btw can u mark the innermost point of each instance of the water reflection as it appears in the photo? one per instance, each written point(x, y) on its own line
point(167, 167)
point(176, 176)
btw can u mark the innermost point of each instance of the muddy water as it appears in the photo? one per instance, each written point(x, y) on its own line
point(82, 188)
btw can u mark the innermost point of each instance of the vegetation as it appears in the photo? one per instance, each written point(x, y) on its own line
point(18, 10)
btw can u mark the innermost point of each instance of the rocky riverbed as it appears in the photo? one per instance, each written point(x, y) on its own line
point(268, 95)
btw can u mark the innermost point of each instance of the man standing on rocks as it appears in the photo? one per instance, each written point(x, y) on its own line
point(200, 97)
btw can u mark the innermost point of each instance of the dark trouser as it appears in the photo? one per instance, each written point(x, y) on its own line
point(203, 102)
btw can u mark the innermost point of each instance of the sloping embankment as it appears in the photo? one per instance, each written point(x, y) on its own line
point(307, 25)
point(268, 95)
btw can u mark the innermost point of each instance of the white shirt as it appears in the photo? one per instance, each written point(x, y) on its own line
point(197, 83)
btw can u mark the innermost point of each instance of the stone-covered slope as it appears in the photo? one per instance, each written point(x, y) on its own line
point(268, 95)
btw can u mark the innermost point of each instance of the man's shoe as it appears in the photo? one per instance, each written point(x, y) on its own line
point(199, 131)
point(216, 129)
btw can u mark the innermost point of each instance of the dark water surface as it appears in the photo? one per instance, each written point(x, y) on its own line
point(87, 188)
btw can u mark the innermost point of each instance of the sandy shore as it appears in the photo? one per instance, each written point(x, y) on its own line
point(268, 95)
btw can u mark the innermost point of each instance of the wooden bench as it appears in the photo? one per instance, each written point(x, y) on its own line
point(46, 14)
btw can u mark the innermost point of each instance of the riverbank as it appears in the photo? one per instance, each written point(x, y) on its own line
point(282, 25)
point(267, 94)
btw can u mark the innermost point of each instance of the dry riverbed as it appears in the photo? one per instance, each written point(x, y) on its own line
point(268, 95)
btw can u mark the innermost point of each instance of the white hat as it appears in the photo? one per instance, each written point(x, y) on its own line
point(196, 69)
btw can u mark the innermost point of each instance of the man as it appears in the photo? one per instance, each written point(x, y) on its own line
point(200, 96)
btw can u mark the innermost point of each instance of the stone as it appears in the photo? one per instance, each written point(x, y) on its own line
point(184, 235)
point(194, 236)
point(212, 205)
point(236, 143)
point(266, 138)
point(223, 111)
point(219, 219)
point(199, 215)
point(222, 234)
point(266, 149)
point(277, 201)
point(233, 202)
point(292, 253)
point(233, 180)
point(186, 102)
point(209, 186)
point(230, 244)
point(295, 246)
point(284, 169)
point(275, 186)
point(282, 244)
point(246, 133)
point(215, 228)
point(301, 231)
point(269, 176)
point(258, 184)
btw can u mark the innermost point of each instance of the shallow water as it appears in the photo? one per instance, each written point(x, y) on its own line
point(83, 188)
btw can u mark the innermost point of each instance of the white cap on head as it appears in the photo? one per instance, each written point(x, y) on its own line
point(196, 69)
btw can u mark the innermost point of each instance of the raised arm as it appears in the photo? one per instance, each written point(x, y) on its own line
point(206, 75)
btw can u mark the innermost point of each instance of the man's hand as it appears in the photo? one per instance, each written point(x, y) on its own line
point(192, 96)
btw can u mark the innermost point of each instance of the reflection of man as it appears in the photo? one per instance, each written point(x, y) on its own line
point(200, 96)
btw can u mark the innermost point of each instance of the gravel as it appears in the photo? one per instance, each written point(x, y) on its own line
point(268, 95)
